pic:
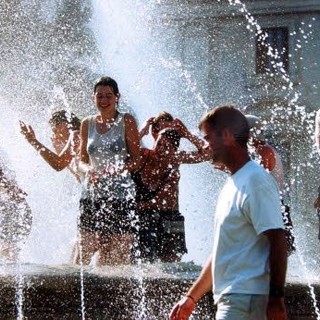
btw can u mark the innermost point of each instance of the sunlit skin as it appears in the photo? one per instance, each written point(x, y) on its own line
point(265, 151)
point(105, 101)
point(164, 148)
point(160, 171)
point(60, 136)
point(165, 124)
point(223, 151)
point(175, 124)
point(66, 146)
point(267, 156)
point(156, 170)
point(163, 157)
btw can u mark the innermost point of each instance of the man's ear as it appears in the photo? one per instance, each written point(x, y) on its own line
point(228, 136)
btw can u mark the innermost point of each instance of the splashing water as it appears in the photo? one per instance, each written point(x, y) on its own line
point(161, 63)
point(168, 73)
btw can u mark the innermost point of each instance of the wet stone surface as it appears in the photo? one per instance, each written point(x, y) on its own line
point(129, 292)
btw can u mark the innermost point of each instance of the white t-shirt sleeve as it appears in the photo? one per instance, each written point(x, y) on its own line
point(262, 207)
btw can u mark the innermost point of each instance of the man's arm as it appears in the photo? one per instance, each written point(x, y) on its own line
point(278, 268)
point(268, 157)
point(203, 152)
point(183, 309)
point(133, 143)
point(146, 128)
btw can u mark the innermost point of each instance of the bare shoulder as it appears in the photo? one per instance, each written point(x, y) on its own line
point(131, 124)
point(84, 129)
point(129, 118)
point(87, 119)
point(84, 124)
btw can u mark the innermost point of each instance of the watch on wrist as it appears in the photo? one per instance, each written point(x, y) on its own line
point(276, 291)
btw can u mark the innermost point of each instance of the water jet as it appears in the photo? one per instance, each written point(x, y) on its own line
point(167, 55)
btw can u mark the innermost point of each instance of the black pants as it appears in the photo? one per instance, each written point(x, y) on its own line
point(159, 234)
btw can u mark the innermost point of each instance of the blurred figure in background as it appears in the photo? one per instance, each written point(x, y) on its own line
point(268, 157)
point(66, 144)
point(65, 139)
point(15, 215)
point(316, 203)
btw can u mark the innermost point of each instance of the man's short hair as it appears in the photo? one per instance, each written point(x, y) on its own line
point(227, 117)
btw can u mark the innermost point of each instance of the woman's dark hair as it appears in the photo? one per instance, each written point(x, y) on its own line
point(63, 116)
point(107, 81)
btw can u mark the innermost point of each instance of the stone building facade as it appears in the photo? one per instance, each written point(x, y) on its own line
point(224, 46)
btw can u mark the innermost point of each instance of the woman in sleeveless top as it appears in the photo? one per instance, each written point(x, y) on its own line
point(109, 152)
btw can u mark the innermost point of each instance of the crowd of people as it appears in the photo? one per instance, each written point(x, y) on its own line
point(129, 205)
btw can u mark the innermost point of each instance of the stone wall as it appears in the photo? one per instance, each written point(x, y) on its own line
point(55, 293)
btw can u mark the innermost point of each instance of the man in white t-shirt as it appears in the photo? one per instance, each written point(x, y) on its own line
point(247, 269)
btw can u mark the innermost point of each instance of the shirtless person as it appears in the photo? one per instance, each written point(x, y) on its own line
point(161, 232)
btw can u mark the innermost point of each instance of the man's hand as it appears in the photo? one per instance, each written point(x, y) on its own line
point(276, 309)
point(183, 309)
point(146, 127)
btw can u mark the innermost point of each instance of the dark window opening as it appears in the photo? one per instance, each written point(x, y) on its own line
point(272, 49)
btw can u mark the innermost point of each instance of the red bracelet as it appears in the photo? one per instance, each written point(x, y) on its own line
point(192, 298)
